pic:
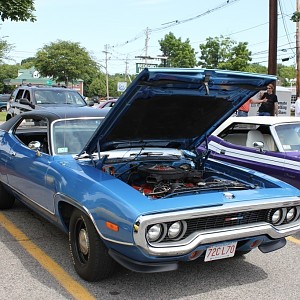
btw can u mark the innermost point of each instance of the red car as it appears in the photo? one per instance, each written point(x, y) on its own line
point(108, 103)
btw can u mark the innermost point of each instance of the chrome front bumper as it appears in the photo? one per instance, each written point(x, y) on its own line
point(199, 238)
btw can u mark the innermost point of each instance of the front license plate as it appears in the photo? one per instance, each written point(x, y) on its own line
point(220, 251)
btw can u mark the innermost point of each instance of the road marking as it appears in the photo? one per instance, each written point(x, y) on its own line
point(293, 240)
point(71, 286)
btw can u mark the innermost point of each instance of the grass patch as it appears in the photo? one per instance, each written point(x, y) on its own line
point(2, 116)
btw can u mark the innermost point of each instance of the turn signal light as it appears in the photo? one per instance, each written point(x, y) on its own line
point(112, 226)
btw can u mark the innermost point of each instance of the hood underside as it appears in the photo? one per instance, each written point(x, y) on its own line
point(177, 107)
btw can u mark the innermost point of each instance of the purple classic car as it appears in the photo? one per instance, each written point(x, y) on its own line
point(267, 144)
point(131, 187)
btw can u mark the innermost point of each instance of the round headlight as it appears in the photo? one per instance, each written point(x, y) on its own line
point(174, 230)
point(276, 217)
point(291, 214)
point(154, 233)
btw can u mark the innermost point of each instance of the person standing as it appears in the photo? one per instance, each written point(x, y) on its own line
point(243, 111)
point(297, 107)
point(270, 106)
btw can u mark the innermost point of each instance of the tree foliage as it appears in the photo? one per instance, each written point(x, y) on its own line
point(17, 10)
point(285, 74)
point(5, 48)
point(28, 63)
point(7, 72)
point(295, 17)
point(179, 54)
point(224, 53)
point(98, 85)
point(256, 68)
point(65, 61)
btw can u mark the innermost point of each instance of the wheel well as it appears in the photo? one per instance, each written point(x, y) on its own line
point(66, 210)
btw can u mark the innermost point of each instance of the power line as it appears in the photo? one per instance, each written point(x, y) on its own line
point(176, 22)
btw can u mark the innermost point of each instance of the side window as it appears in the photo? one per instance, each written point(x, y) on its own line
point(27, 95)
point(33, 131)
point(19, 94)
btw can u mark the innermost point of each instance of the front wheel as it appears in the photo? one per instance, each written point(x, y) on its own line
point(90, 256)
point(7, 200)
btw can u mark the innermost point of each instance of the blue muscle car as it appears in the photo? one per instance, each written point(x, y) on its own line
point(130, 186)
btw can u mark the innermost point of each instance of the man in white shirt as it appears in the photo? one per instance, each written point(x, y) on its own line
point(297, 107)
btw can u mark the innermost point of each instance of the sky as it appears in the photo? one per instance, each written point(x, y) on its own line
point(116, 32)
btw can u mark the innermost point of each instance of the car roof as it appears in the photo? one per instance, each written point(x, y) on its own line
point(55, 113)
point(259, 120)
point(46, 88)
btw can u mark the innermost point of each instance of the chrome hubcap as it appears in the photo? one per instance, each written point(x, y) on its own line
point(83, 242)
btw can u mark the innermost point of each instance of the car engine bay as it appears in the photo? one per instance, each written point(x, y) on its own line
point(160, 179)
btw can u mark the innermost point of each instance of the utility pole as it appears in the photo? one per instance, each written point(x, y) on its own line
point(106, 59)
point(297, 53)
point(146, 44)
point(272, 63)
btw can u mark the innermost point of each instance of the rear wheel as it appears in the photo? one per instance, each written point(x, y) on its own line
point(7, 200)
point(90, 256)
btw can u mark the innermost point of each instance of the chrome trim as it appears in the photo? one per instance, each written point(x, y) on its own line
point(215, 235)
point(29, 199)
point(62, 120)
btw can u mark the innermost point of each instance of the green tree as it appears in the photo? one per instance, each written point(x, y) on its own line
point(97, 86)
point(65, 62)
point(28, 63)
point(285, 74)
point(256, 68)
point(179, 54)
point(7, 72)
point(224, 53)
point(17, 10)
point(5, 48)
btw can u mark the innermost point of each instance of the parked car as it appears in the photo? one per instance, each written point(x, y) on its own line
point(3, 101)
point(131, 187)
point(27, 97)
point(267, 144)
point(108, 103)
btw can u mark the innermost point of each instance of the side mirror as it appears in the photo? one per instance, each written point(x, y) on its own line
point(259, 145)
point(25, 101)
point(36, 146)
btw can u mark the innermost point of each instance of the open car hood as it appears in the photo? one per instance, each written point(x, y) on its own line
point(175, 108)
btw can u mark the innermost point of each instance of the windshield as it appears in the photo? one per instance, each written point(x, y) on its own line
point(58, 97)
point(289, 136)
point(71, 135)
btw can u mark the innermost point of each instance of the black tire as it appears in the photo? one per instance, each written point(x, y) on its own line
point(90, 256)
point(7, 200)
